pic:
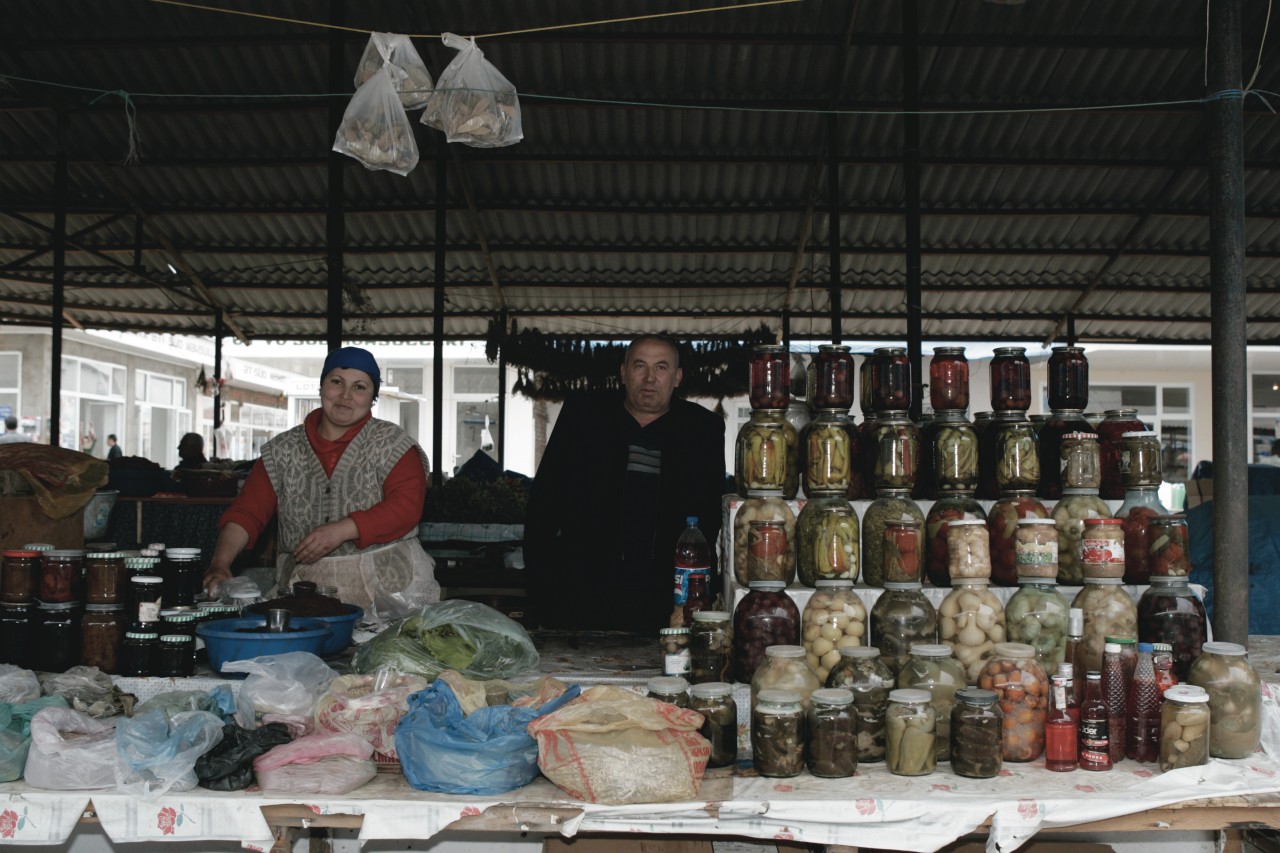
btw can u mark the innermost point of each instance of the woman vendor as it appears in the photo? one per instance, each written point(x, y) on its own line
point(348, 489)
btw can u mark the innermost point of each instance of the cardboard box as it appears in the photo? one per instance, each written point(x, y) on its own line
point(22, 521)
point(1198, 492)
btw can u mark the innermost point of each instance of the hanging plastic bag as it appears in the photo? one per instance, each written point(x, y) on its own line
point(472, 102)
point(287, 685)
point(369, 706)
point(317, 764)
point(375, 129)
point(71, 751)
point(157, 754)
point(229, 765)
point(15, 734)
point(397, 49)
point(18, 685)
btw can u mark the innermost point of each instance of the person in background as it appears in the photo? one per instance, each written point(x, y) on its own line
point(113, 448)
point(11, 434)
point(348, 490)
point(618, 478)
point(191, 451)
point(1274, 458)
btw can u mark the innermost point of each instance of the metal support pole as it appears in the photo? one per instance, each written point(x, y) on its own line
point(502, 398)
point(335, 225)
point(911, 198)
point(219, 332)
point(1224, 114)
point(833, 225)
point(437, 313)
point(59, 284)
point(786, 329)
point(1071, 330)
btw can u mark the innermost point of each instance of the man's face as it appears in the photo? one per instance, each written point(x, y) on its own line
point(650, 376)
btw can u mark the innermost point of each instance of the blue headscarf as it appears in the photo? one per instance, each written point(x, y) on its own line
point(353, 358)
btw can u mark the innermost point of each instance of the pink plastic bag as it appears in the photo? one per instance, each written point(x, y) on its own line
point(316, 764)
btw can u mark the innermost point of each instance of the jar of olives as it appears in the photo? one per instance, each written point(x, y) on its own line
point(767, 552)
point(1050, 435)
point(673, 647)
point(976, 729)
point(968, 549)
point(1002, 525)
point(903, 544)
point(955, 453)
point(1068, 372)
point(1170, 612)
point(1235, 699)
point(833, 734)
point(827, 540)
point(1184, 727)
point(890, 379)
point(910, 733)
point(1115, 423)
point(1010, 379)
point(829, 447)
point(762, 452)
point(1015, 453)
point(1140, 459)
point(1035, 548)
point(1108, 612)
point(933, 668)
point(1037, 615)
point(770, 377)
point(784, 667)
point(834, 618)
point(760, 506)
point(1168, 548)
point(897, 446)
point(1081, 468)
point(710, 647)
point(865, 674)
point(889, 505)
point(900, 617)
point(714, 701)
point(766, 616)
point(955, 507)
point(777, 733)
point(1102, 548)
point(971, 621)
point(1023, 689)
point(668, 688)
point(949, 379)
point(1069, 515)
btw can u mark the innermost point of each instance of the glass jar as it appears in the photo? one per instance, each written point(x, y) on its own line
point(766, 616)
point(1010, 379)
point(982, 425)
point(1050, 435)
point(147, 594)
point(178, 622)
point(777, 734)
point(955, 453)
point(901, 617)
point(833, 378)
point(767, 547)
point(668, 688)
point(976, 729)
point(1235, 699)
point(102, 632)
point(1114, 424)
point(1139, 507)
point(1184, 728)
point(1023, 689)
point(673, 651)
point(714, 701)
point(834, 618)
point(710, 647)
point(903, 545)
point(138, 653)
point(61, 576)
point(770, 377)
point(891, 379)
point(760, 506)
point(932, 668)
point(1108, 612)
point(1080, 461)
point(897, 446)
point(862, 672)
point(910, 733)
point(829, 446)
point(1035, 548)
point(761, 458)
point(17, 646)
point(968, 549)
point(1037, 615)
point(104, 578)
point(176, 655)
point(1068, 378)
point(1102, 548)
point(827, 540)
point(1140, 459)
point(833, 734)
point(949, 379)
point(956, 507)
point(1168, 549)
point(1002, 527)
point(889, 505)
point(19, 576)
point(784, 668)
point(1170, 612)
point(183, 576)
point(971, 621)
point(56, 636)
point(1015, 453)
point(1069, 515)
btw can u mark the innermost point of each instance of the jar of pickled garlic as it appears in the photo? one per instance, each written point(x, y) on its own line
point(1069, 515)
point(1080, 461)
point(760, 506)
point(949, 379)
point(1108, 612)
point(770, 377)
point(933, 668)
point(1102, 548)
point(1114, 424)
point(891, 379)
point(945, 510)
point(829, 446)
point(971, 621)
point(761, 457)
point(1035, 549)
point(1184, 727)
point(1010, 379)
point(827, 540)
point(766, 616)
point(862, 671)
point(834, 619)
point(1170, 612)
point(833, 378)
point(903, 546)
point(911, 733)
point(955, 453)
point(1235, 699)
point(968, 550)
point(900, 617)
point(889, 505)
point(1068, 373)
point(1168, 551)
point(1012, 672)
point(897, 443)
point(1037, 615)
point(1140, 459)
point(1002, 524)
point(784, 667)
point(767, 552)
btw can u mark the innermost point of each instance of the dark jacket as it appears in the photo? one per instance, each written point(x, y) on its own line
point(573, 529)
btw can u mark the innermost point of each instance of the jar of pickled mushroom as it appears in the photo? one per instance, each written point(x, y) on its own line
point(834, 619)
point(672, 689)
point(1010, 379)
point(1037, 615)
point(1140, 459)
point(833, 734)
point(784, 667)
point(862, 671)
point(761, 458)
point(1035, 551)
point(833, 378)
point(1012, 672)
point(1235, 699)
point(767, 552)
point(1140, 505)
point(977, 727)
point(932, 668)
point(760, 506)
point(971, 622)
point(1108, 612)
point(829, 445)
point(1050, 435)
point(968, 550)
point(1069, 515)
point(827, 540)
point(766, 616)
point(897, 444)
point(777, 734)
point(902, 616)
point(714, 701)
point(1068, 372)
point(1079, 459)
point(1184, 727)
point(770, 377)
point(1168, 551)
point(937, 523)
point(903, 548)
point(1114, 424)
point(949, 379)
point(710, 647)
point(1170, 612)
point(1002, 524)
point(1102, 548)
point(955, 453)
point(889, 505)
point(891, 379)
point(911, 733)
point(1015, 452)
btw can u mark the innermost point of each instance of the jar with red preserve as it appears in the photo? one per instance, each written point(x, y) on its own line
point(766, 616)
point(903, 544)
point(1050, 436)
point(1168, 550)
point(1068, 373)
point(19, 576)
point(889, 505)
point(104, 578)
point(949, 379)
point(1016, 677)
point(891, 379)
point(102, 631)
point(1114, 424)
point(61, 576)
point(1010, 379)
point(770, 377)
point(767, 552)
point(1102, 548)
point(953, 507)
point(1139, 507)
point(1170, 612)
point(1002, 524)
point(833, 378)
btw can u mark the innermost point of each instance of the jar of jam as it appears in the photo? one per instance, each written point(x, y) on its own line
point(1010, 379)
point(710, 647)
point(770, 377)
point(61, 576)
point(714, 701)
point(1080, 461)
point(891, 380)
point(1015, 453)
point(777, 733)
point(1035, 548)
point(104, 577)
point(1115, 423)
point(976, 729)
point(834, 618)
point(1002, 523)
point(1141, 504)
point(1102, 548)
point(953, 507)
point(1168, 550)
point(1023, 689)
point(102, 631)
point(901, 617)
point(760, 506)
point(138, 653)
point(1140, 459)
point(57, 636)
point(767, 455)
point(1050, 434)
point(903, 547)
point(829, 445)
point(1068, 378)
point(766, 616)
point(955, 453)
point(673, 651)
point(16, 644)
point(833, 734)
point(1235, 699)
point(1170, 612)
point(862, 672)
point(767, 547)
point(827, 540)
point(183, 575)
point(176, 655)
point(174, 621)
point(833, 378)
point(911, 733)
point(147, 595)
point(889, 505)
point(19, 576)
point(968, 550)
point(949, 379)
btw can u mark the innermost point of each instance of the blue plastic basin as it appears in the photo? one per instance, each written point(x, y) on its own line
point(343, 626)
point(226, 642)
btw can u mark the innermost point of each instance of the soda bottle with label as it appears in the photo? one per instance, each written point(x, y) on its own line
point(693, 555)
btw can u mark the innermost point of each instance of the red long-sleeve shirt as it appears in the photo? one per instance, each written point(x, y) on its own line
point(386, 521)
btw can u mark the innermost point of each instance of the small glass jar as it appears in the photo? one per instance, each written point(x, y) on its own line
point(766, 616)
point(1035, 548)
point(1081, 465)
point(61, 576)
point(1023, 689)
point(933, 668)
point(971, 621)
point(1050, 435)
point(833, 378)
point(17, 646)
point(770, 377)
point(784, 668)
point(901, 617)
point(834, 618)
point(176, 655)
point(937, 524)
point(1235, 699)
point(147, 593)
point(760, 506)
point(1010, 379)
point(1114, 424)
point(889, 505)
point(19, 576)
point(104, 575)
point(183, 575)
point(138, 653)
point(761, 462)
point(1184, 728)
point(1069, 515)
point(968, 549)
point(910, 733)
point(1168, 551)
point(1102, 548)
point(1037, 615)
point(714, 701)
point(1068, 372)
point(833, 734)
point(1170, 612)
point(668, 688)
point(897, 448)
point(976, 729)
point(829, 445)
point(673, 649)
point(1140, 459)
point(57, 636)
point(903, 546)
point(827, 540)
point(102, 631)
point(710, 647)
point(178, 622)
point(955, 454)
point(767, 548)
point(244, 599)
point(1015, 453)
point(777, 734)
point(949, 379)
point(891, 379)
point(1108, 612)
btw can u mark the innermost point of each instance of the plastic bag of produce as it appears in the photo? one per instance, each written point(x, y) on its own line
point(472, 102)
point(522, 694)
point(415, 87)
point(369, 706)
point(18, 685)
point(375, 129)
point(614, 746)
point(229, 765)
point(286, 685)
point(71, 751)
point(489, 751)
point(15, 734)
point(467, 636)
point(317, 764)
point(87, 689)
point(157, 753)
point(219, 701)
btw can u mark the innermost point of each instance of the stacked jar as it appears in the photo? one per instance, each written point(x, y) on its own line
point(901, 617)
point(770, 377)
point(1077, 513)
point(1140, 473)
point(862, 671)
point(766, 616)
point(761, 506)
point(946, 510)
point(1170, 612)
point(1114, 424)
point(933, 668)
point(971, 622)
point(834, 619)
point(827, 540)
point(895, 451)
point(828, 527)
point(829, 454)
point(948, 443)
point(1108, 612)
point(767, 454)
point(889, 505)
point(1068, 375)
point(1002, 450)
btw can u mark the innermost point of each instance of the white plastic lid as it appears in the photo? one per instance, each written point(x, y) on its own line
point(784, 652)
point(903, 585)
point(1034, 519)
point(826, 583)
point(832, 696)
point(931, 650)
point(777, 696)
point(1186, 693)
point(146, 579)
point(1220, 648)
point(859, 652)
point(1104, 581)
point(710, 616)
point(966, 522)
point(182, 552)
point(1140, 433)
point(1111, 648)
point(910, 696)
point(711, 689)
point(1012, 650)
point(667, 684)
point(1034, 580)
point(767, 585)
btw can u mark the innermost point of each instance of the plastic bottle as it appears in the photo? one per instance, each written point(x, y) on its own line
point(1061, 733)
point(692, 555)
point(1142, 729)
point(1074, 652)
point(1162, 662)
point(1095, 746)
point(1115, 690)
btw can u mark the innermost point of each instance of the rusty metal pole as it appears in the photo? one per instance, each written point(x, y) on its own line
point(60, 180)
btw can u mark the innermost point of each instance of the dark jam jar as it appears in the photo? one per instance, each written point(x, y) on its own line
point(1068, 379)
point(16, 645)
point(833, 378)
point(949, 379)
point(1059, 424)
point(1115, 423)
point(101, 634)
point(61, 576)
point(178, 622)
point(176, 655)
point(183, 575)
point(1010, 380)
point(57, 636)
point(104, 578)
point(147, 595)
point(138, 654)
point(891, 380)
point(770, 377)
point(19, 576)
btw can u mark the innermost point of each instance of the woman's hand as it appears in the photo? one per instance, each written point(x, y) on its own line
point(232, 539)
point(319, 543)
point(214, 576)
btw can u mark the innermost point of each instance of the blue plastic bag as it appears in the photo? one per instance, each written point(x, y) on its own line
point(488, 752)
point(15, 734)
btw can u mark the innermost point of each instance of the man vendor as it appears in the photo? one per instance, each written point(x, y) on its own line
point(348, 490)
point(618, 478)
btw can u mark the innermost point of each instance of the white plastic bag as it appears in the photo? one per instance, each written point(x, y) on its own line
point(71, 751)
point(472, 102)
point(395, 48)
point(18, 686)
point(289, 684)
point(375, 129)
point(157, 754)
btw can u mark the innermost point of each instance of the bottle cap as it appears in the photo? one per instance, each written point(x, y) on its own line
point(1075, 621)
point(711, 690)
point(1066, 670)
point(1145, 647)
point(691, 521)
point(1111, 648)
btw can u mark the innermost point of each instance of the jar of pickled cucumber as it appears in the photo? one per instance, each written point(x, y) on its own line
point(955, 507)
point(760, 506)
point(900, 617)
point(955, 453)
point(834, 618)
point(988, 426)
point(1012, 672)
point(889, 505)
point(903, 547)
point(1170, 612)
point(1069, 515)
point(761, 452)
point(1140, 459)
point(910, 733)
point(833, 734)
point(1184, 727)
point(1002, 525)
point(932, 668)
point(862, 671)
point(714, 701)
point(976, 732)
point(829, 453)
point(968, 550)
point(1108, 612)
point(1016, 453)
point(1050, 436)
point(1079, 459)
point(1037, 615)
point(897, 446)
point(710, 647)
point(777, 734)
point(971, 621)
point(827, 540)
point(766, 616)
point(784, 667)
point(1235, 698)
